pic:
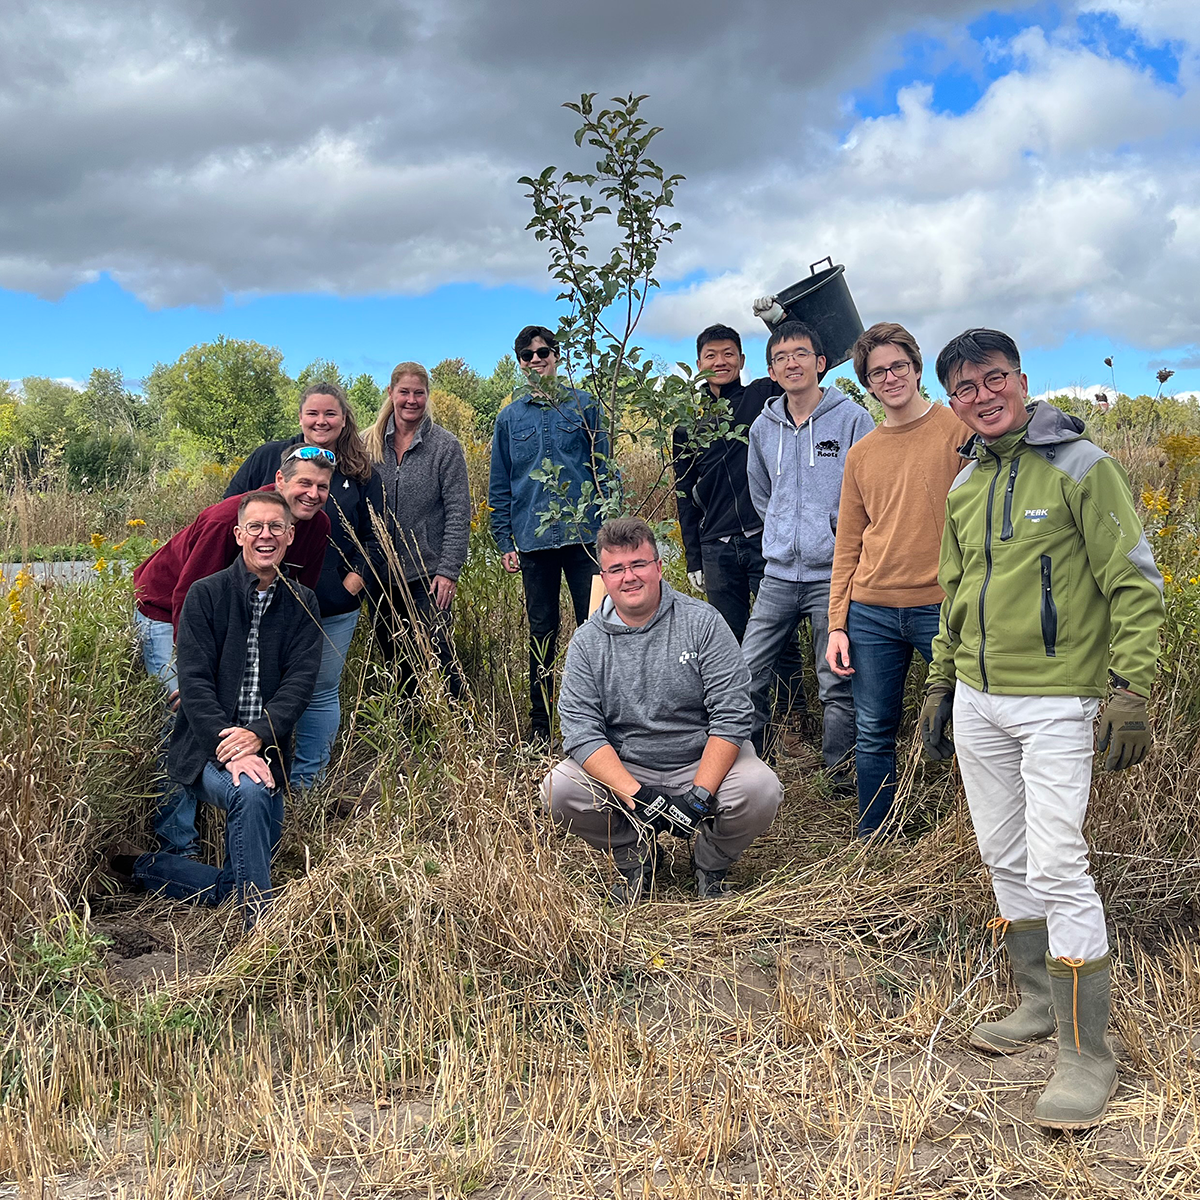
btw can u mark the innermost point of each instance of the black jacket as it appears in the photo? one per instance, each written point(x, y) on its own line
point(351, 530)
point(713, 495)
point(210, 650)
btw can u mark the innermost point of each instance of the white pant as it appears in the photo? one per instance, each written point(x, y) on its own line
point(1026, 762)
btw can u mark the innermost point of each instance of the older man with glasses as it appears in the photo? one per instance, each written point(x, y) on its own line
point(547, 422)
point(209, 544)
point(1053, 603)
point(249, 652)
point(656, 718)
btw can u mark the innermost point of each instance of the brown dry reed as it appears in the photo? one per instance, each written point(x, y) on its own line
point(440, 1003)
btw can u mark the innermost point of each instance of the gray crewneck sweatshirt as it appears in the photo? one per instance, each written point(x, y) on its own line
point(795, 474)
point(654, 693)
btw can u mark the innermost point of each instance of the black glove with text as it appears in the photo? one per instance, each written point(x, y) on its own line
point(678, 813)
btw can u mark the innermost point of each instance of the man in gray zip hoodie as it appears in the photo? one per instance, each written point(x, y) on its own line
point(797, 454)
point(655, 705)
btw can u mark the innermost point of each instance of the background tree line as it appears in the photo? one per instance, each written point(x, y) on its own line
point(215, 403)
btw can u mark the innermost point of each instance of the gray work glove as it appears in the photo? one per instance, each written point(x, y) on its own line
point(768, 309)
point(1125, 730)
point(936, 712)
point(696, 579)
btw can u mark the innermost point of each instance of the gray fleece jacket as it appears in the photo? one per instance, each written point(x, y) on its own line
point(795, 475)
point(654, 693)
point(428, 501)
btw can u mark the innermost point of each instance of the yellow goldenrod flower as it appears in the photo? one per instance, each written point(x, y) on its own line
point(97, 540)
point(100, 564)
point(136, 523)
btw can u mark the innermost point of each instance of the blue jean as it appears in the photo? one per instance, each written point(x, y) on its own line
point(318, 724)
point(882, 641)
point(174, 814)
point(253, 824)
point(779, 607)
point(733, 572)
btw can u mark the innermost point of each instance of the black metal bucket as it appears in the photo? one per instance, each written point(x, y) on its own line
point(823, 301)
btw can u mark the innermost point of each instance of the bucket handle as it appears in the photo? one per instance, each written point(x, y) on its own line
point(812, 268)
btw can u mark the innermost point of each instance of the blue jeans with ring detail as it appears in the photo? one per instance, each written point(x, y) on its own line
point(882, 641)
point(253, 824)
point(175, 813)
point(318, 725)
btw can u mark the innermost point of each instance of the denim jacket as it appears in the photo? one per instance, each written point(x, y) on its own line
point(528, 431)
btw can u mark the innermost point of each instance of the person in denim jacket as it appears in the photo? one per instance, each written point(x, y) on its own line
point(546, 420)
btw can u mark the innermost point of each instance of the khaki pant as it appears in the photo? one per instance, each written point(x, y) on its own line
point(747, 801)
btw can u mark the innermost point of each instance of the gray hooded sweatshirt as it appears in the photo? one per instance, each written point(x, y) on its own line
point(657, 692)
point(795, 475)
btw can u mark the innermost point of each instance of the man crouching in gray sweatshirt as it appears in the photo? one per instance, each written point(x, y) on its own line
point(656, 715)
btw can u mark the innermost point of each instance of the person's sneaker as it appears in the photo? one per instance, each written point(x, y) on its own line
point(120, 861)
point(712, 885)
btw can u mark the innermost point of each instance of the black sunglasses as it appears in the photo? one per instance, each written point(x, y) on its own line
point(542, 353)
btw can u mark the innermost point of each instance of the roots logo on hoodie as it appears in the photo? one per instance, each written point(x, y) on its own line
point(829, 448)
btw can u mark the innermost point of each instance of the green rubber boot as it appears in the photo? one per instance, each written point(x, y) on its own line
point(1086, 1075)
point(1033, 1019)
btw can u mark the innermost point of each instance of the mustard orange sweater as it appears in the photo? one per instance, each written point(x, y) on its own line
point(892, 512)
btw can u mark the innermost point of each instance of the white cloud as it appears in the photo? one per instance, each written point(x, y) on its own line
point(1066, 201)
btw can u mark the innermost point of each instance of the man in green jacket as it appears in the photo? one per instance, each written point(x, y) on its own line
point(1053, 603)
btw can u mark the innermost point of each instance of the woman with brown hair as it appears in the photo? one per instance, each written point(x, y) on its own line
point(427, 510)
point(353, 557)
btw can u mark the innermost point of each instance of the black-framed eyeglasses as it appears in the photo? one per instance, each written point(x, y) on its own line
point(786, 356)
point(541, 354)
point(637, 566)
point(968, 390)
point(899, 369)
point(309, 452)
point(274, 528)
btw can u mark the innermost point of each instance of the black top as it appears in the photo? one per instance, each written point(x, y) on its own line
point(713, 496)
point(210, 649)
point(351, 530)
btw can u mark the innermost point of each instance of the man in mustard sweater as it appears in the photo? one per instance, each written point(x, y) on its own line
point(1053, 602)
point(884, 597)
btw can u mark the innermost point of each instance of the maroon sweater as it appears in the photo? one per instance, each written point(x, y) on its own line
point(207, 546)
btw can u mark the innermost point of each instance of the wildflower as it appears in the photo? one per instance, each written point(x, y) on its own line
point(1168, 577)
point(97, 540)
point(100, 564)
point(136, 523)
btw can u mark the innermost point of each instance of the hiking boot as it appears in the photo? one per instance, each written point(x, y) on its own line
point(1033, 1019)
point(712, 885)
point(635, 881)
point(1086, 1074)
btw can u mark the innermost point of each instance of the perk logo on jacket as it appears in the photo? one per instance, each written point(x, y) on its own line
point(1036, 514)
point(829, 448)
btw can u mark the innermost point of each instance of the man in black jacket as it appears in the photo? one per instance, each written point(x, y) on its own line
point(248, 649)
point(721, 530)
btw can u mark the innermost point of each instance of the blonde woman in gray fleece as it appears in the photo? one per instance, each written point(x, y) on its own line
point(427, 513)
point(656, 716)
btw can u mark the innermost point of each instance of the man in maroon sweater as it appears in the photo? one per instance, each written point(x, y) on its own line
point(205, 547)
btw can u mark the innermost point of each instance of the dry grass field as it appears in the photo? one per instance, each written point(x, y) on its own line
point(441, 1003)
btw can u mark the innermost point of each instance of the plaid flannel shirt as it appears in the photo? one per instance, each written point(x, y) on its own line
point(249, 707)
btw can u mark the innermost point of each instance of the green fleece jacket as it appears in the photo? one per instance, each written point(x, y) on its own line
point(1049, 579)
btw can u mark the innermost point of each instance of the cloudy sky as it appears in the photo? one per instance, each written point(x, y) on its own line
point(339, 180)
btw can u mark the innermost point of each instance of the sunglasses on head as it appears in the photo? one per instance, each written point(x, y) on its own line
point(306, 452)
point(541, 353)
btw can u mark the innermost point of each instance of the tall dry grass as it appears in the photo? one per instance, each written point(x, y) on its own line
point(441, 1004)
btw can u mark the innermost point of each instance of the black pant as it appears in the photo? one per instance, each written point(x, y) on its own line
point(408, 626)
point(733, 571)
point(541, 573)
